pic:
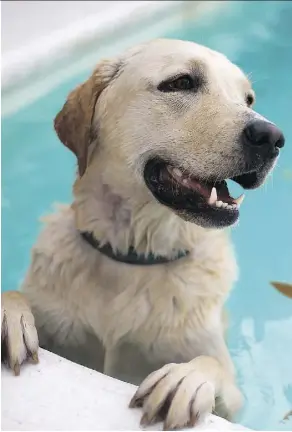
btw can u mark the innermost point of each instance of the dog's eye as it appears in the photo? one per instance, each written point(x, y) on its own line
point(184, 82)
point(249, 99)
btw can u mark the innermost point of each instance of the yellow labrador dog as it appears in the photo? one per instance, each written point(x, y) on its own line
point(131, 279)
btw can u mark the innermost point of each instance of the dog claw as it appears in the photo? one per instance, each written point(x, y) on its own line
point(16, 369)
point(132, 403)
point(136, 402)
point(167, 428)
point(149, 421)
point(144, 420)
point(35, 358)
point(194, 419)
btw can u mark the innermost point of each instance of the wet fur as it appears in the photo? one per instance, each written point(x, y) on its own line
point(125, 320)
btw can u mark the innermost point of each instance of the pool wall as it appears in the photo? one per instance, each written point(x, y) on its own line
point(49, 42)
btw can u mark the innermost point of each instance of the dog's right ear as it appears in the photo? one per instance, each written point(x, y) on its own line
point(73, 123)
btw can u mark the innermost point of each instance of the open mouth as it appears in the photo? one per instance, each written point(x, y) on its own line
point(216, 194)
point(207, 203)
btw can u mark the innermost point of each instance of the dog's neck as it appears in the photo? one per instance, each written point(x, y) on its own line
point(145, 225)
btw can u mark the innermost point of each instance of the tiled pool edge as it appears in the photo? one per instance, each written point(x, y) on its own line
point(57, 394)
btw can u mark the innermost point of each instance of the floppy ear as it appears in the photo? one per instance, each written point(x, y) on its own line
point(73, 123)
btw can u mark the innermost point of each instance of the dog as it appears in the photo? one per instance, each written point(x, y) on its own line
point(131, 279)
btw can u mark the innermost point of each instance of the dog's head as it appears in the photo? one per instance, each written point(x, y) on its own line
point(172, 120)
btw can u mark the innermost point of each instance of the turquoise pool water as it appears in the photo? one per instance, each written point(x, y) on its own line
point(37, 171)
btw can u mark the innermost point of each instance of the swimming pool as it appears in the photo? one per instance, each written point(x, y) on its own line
point(37, 171)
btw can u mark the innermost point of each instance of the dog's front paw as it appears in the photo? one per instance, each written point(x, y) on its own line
point(182, 395)
point(19, 339)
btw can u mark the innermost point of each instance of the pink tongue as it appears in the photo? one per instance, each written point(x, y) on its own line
point(204, 189)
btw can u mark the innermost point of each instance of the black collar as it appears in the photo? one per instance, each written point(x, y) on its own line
point(132, 257)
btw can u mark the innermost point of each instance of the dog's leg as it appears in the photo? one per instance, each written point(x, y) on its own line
point(110, 360)
point(19, 338)
point(183, 394)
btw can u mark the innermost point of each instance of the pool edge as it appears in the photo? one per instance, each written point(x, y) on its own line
point(33, 71)
point(25, 407)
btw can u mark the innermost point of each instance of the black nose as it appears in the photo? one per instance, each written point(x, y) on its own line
point(264, 135)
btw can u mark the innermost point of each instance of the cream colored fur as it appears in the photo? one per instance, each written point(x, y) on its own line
point(144, 317)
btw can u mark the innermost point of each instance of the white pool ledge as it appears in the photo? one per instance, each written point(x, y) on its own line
point(59, 395)
point(66, 48)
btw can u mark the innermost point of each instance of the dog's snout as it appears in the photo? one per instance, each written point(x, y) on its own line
point(262, 134)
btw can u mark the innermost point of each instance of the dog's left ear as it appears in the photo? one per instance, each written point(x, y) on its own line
point(73, 123)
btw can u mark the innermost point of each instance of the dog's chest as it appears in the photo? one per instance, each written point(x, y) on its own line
point(161, 309)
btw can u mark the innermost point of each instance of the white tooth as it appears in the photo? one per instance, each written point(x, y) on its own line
point(232, 207)
point(177, 172)
point(225, 205)
point(219, 203)
point(213, 196)
point(239, 200)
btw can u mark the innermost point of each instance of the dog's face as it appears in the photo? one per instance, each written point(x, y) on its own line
point(177, 119)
